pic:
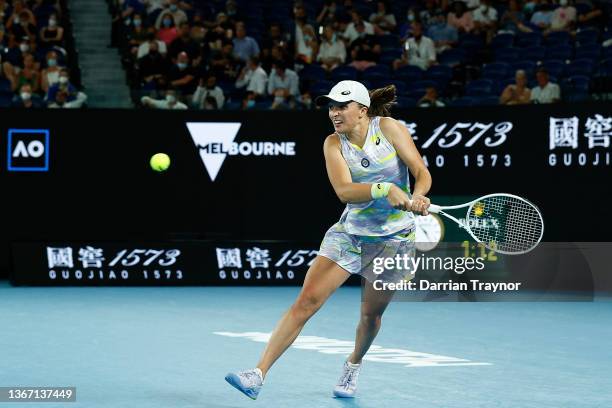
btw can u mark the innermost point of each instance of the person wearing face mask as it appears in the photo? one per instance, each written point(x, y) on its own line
point(306, 49)
point(563, 17)
point(22, 25)
point(184, 43)
point(151, 37)
point(283, 83)
point(442, 34)
point(352, 32)
point(181, 76)
point(460, 17)
point(178, 15)
point(253, 77)
point(208, 89)
point(170, 102)
point(26, 98)
point(52, 34)
point(73, 97)
point(369, 158)
point(332, 51)
point(167, 32)
point(29, 74)
point(383, 21)
point(50, 75)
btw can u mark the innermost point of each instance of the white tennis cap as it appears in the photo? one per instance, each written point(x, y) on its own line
point(346, 91)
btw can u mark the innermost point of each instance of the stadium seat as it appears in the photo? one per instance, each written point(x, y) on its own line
point(587, 36)
point(501, 85)
point(527, 40)
point(556, 38)
point(589, 51)
point(5, 86)
point(313, 72)
point(452, 57)
point(527, 66)
point(343, 72)
point(535, 53)
point(486, 101)
point(580, 67)
point(508, 55)
point(577, 83)
point(495, 71)
point(377, 70)
point(389, 41)
point(5, 100)
point(463, 101)
point(409, 73)
point(406, 102)
point(502, 41)
point(559, 52)
point(423, 84)
point(321, 87)
point(554, 67)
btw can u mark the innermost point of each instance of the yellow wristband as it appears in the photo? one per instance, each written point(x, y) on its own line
point(380, 190)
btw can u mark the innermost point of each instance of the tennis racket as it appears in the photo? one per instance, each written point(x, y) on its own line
point(504, 223)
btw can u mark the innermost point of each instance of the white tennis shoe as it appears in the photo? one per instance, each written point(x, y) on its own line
point(249, 382)
point(347, 384)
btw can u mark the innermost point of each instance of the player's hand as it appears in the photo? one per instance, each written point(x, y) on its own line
point(398, 199)
point(420, 204)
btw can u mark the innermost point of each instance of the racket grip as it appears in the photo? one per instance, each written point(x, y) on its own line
point(434, 208)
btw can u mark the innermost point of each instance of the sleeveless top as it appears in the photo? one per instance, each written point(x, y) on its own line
point(377, 161)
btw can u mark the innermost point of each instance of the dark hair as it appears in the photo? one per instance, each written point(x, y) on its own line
point(381, 100)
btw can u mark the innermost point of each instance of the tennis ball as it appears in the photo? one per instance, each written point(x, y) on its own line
point(160, 162)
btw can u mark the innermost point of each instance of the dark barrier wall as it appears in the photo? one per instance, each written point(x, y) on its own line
point(84, 175)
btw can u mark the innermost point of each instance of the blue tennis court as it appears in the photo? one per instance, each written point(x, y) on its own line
point(171, 347)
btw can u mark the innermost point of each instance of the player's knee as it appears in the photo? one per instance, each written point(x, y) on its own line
point(371, 319)
point(306, 305)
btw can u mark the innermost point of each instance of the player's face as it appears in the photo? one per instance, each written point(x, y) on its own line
point(344, 117)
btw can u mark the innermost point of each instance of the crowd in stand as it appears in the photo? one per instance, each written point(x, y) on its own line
point(34, 56)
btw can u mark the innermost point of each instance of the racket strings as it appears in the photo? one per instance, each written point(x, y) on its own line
point(508, 223)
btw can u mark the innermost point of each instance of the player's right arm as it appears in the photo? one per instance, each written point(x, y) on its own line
point(342, 182)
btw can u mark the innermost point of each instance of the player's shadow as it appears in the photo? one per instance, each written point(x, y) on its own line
point(349, 403)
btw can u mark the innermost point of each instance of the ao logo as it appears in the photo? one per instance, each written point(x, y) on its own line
point(28, 150)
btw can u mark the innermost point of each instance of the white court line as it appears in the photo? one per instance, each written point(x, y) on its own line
point(376, 353)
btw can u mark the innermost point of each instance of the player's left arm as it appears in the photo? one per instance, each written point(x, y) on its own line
point(400, 137)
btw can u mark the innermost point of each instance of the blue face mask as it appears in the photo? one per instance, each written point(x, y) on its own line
point(137, 23)
point(167, 22)
point(307, 38)
point(173, 7)
point(250, 103)
point(51, 62)
point(182, 65)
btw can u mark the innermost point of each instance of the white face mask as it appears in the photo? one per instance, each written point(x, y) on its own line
point(52, 23)
point(63, 80)
point(16, 20)
point(26, 96)
point(24, 47)
point(563, 3)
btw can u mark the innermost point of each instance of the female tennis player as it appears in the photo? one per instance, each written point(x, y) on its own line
point(367, 159)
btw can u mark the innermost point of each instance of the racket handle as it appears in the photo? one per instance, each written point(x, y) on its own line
point(434, 208)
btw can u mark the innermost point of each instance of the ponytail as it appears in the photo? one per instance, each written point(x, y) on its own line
point(381, 100)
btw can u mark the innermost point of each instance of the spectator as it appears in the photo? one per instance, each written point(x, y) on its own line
point(542, 17)
point(245, 47)
point(153, 68)
point(208, 95)
point(512, 20)
point(428, 16)
point(442, 34)
point(70, 98)
point(332, 51)
point(249, 101)
point(485, 20)
point(545, 92)
point(304, 101)
point(143, 49)
point(283, 83)
point(420, 50)
point(430, 99)
point(51, 35)
point(26, 99)
point(50, 75)
point(307, 47)
point(299, 20)
point(22, 25)
point(328, 14)
point(592, 15)
point(563, 18)
point(64, 100)
point(383, 21)
point(358, 28)
point(167, 33)
point(29, 74)
point(517, 93)
point(136, 35)
point(170, 102)
point(178, 15)
point(223, 64)
point(184, 43)
point(460, 17)
point(181, 76)
point(365, 52)
point(253, 77)
point(406, 28)
point(232, 12)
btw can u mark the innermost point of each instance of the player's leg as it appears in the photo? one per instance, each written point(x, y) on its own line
point(373, 305)
point(322, 279)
